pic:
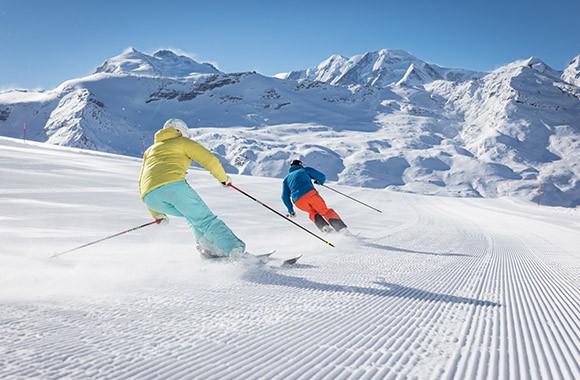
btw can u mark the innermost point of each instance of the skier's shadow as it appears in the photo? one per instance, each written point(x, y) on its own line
point(403, 250)
point(386, 289)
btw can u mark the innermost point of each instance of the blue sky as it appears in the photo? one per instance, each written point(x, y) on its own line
point(44, 43)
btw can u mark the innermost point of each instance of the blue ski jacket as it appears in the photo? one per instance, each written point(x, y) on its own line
point(298, 182)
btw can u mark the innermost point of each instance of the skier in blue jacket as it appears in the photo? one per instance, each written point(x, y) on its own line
point(297, 188)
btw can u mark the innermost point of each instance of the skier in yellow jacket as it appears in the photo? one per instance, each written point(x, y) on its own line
point(165, 192)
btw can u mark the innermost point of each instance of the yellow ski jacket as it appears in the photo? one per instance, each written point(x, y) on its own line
point(168, 159)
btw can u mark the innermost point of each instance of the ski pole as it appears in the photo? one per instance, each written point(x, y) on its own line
point(348, 196)
point(157, 221)
point(276, 212)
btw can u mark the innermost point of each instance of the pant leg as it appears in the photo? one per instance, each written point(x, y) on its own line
point(179, 199)
point(304, 204)
point(319, 212)
point(313, 203)
point(155, 200)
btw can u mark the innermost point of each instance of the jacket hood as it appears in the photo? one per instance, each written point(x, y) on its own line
point(166, 134)
point(294, 168)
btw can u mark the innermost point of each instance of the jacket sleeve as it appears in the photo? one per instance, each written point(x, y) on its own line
point(286, 197)
point(205, 158)
point(316, 175)
point(142, 169)
point(152, 212)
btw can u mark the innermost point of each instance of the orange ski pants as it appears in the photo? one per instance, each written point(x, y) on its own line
point(313, 204)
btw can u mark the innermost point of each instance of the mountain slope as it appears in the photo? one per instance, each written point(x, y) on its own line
point(521, 117)
point(432, 288)
point(572, 72)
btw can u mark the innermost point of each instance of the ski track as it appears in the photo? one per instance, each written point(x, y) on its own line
point(434, 294)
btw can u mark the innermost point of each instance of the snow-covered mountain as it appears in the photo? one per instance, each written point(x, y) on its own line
point(382, 68)
point(164, 63)
point(572, 72)
point(382, 119)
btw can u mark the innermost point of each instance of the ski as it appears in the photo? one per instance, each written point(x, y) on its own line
point(263, 258)
point(292, 260)
point(263, 255)
point(208, 255)
point(267, 257)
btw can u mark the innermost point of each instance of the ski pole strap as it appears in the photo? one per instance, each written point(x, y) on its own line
point(277, 213)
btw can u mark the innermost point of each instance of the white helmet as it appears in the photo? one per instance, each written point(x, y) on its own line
point(179, 125)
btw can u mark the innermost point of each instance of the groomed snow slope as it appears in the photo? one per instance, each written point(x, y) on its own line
point(431, 288)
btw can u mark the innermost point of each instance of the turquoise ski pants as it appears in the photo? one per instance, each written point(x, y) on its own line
point(179, 199)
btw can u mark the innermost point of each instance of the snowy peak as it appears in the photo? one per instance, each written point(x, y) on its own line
point(381, 69)
point(419, 73)
point(164, 63)
point(326, 71)
point(536, 64)
point(330, 68)
point(572, 72)
point(527, 66)
point(528, 70)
